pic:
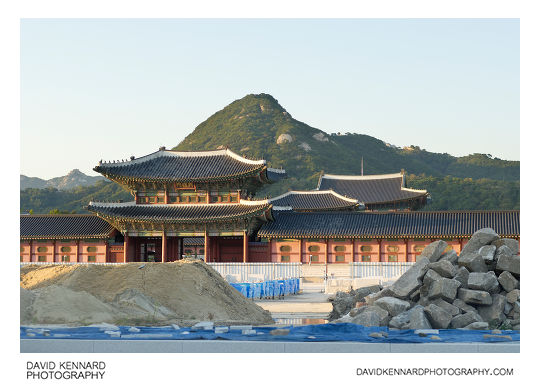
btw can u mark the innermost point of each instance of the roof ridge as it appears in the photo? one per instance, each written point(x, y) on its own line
point(364, 177)
point(171, 153)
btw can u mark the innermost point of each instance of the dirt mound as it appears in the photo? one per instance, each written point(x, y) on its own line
point(183, 292)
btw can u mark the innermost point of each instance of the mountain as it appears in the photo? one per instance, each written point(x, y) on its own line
point(72, 180)
point(258, 127)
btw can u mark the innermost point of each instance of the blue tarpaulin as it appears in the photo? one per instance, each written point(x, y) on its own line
point(330, 332)
point(268, 289)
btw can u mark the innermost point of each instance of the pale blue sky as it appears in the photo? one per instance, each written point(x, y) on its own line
point(108, 89)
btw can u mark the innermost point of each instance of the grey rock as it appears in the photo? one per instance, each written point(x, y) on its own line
point(462, 320)
point(437, 316)
point(464, 307)
point(450, 256)
point(417, 319)
point(472, 261)
point(508, 281)
point(516, 307)
point(450, 308)
point(483, 281)
point(371, 298)
point(371, 316)
point(510, 243)
point(367, 318)
point(507, 308)
point(376, 335)
point(494, 313)
point(474, 296)
point(513, 322)
point(502, 251)
point(424, 301)
point(360, 293)
point(394, 306)
point(434, 251)
point(400, 320)
point(430, 276)
point(443, 268)
point(480, 238)
point(513, 296)
point(515, 327)
point(508, 263)
point(444, 288)
point(415, 296)
point(424, 290)
point(487, 252)
point(435, 337)
point(410, 280)
point(477, 326)
point(462, 275)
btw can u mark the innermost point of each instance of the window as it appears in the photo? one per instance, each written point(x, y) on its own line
point(340, 258)
point(22, 249)
point(366, 248)
point(65, 249)
point(234, 198)
point(42, 259)
point(91, 249)
point(314, 258)
point(418, 248)
point(313, 248)
point(392, 248)
point(42, 249)
point(340, 248)
point(201, 251)
point(285, 259)
point(214, 199)
point(65, 259)
point(224, 198)
point(285, 248)
point(392, 258)
point(160, 199)
point(189, 251)
point(366, 258)
point(152, 200)
point(21, 258)
point(91, 259)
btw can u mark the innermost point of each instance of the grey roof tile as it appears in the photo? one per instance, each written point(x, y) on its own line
point(386, 224)
point(63, 226)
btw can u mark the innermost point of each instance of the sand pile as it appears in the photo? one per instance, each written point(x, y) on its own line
point(182, 292)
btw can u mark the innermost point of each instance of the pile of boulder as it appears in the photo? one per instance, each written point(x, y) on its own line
point(479, 289)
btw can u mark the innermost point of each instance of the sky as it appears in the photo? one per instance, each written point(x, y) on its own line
point(107, 89)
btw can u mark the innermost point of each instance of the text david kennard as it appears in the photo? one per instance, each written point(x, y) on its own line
point(65, 370)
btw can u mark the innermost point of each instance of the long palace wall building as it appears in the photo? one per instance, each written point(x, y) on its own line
point(202, 204)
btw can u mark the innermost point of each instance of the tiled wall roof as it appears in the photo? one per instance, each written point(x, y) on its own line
point(63, 226)
point(388, 224)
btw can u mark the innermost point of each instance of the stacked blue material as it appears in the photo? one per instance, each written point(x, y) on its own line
point(268, 289)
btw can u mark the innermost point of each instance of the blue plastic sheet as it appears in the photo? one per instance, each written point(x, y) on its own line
point(268, 289)
point(339, 332)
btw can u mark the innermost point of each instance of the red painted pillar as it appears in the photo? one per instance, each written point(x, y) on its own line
point(406, 249)
point(206, 249)
point(31, 249)
point(326, 251)
point(77, 251)
point(126, 245)
point(54, 251)
point(380, 253)
point(163, 247)
point(245, 247)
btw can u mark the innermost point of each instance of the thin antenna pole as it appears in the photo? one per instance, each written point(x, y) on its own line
point(362, 167)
